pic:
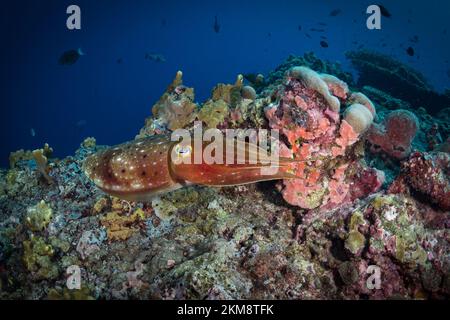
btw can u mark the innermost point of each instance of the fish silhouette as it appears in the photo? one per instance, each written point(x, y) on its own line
point(70, 57)
point(216, 25)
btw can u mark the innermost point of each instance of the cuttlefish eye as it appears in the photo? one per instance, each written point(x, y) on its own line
point(181, 152)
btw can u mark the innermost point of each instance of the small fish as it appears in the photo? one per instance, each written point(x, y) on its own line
point(323, 37)
point(335, 12)
point(140, 169)
point(316, 30)
point(322, 24)
point(299, 28)
point(384, 12)
point(157, 57)
point(448, 73)
point(32, 132)
point(269, 34)
point(119, 61)
point(308, 36)
point(324, 44)
point(216, 25)
point(163, 22)
point(70, 57)
point(410, 51)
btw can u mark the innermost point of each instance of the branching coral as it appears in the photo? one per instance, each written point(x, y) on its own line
point(395, 135)
point(307, 114)
point(390, 75)
point(89, 143)
point(213, 113)
point(19, 155)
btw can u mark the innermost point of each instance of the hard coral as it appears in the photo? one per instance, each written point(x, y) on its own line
point(176, 108)
point(38, 216)
point(120, 226)
point(395, 135)
point(306, 112)
point(390, 75)
point(428, 175)
point(37, 257)
point(41, 158)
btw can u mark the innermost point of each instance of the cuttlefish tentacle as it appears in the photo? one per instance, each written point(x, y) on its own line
point(140, 169)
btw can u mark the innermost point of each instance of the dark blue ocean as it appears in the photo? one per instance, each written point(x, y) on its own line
point(110, 90)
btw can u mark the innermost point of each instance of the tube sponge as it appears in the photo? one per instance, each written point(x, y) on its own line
point(359, 117)
point(312, 80)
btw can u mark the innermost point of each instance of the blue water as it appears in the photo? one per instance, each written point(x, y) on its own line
point(101, 98)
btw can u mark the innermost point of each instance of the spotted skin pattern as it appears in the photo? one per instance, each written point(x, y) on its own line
point(140, 169)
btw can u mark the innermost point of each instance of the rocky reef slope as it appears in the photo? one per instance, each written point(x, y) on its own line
point(373, 194)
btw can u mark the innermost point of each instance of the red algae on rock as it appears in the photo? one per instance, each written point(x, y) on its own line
point(306, 112)
point(395, 135)
point(427, 175)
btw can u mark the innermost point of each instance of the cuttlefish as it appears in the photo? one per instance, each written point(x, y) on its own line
point(140, 169)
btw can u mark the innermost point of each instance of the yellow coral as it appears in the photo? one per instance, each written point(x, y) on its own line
point(121, 227)
point(100, 205)
point(19, 155)
point(176, 107)
point(213, 113)
point(355, 241)
point(38, 216)
point(89, 143)
point(37, 258)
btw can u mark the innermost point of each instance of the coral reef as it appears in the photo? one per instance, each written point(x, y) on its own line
point(311, 61)
point(307, 114)
point(38, 216)
point(385, 73)
point(316, 237)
